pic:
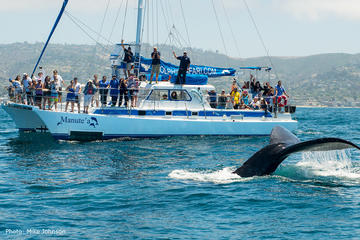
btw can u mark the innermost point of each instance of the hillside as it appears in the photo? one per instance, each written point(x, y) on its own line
point(326, 79)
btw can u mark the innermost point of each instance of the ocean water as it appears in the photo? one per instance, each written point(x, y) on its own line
point(179, 187)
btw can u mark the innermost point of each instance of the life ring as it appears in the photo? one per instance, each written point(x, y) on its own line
point(280, 102)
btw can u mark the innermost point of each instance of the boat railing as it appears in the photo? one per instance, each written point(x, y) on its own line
point(63, 100)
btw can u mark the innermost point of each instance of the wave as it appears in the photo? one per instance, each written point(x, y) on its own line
point(223, 176)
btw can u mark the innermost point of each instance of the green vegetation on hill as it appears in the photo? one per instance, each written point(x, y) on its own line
point(325, 79)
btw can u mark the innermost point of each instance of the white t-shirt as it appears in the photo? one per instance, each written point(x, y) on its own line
point(77, 88)
point(59, 80)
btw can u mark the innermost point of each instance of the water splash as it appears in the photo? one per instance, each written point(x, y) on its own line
point(329, 164)
point(223, 176)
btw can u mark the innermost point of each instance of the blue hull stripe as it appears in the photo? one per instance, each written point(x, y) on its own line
point(60, 136)
point(109, 111)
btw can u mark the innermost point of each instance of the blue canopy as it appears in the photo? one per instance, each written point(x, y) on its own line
point(171, 69)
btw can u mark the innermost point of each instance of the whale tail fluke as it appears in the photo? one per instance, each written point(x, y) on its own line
point(282, 144)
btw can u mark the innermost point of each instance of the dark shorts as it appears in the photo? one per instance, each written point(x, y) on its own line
point(77, 100)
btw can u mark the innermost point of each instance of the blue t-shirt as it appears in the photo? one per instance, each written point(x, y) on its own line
point(280, 90)
point(114, 87)
point(212, 97)
point(103, 84)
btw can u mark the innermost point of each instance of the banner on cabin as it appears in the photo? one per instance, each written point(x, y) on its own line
point(171, 69)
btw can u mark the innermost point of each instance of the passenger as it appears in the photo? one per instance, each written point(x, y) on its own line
point(70, 96)
point(128, 59)
point(233, 85)
point(114, 90)
point(164, 97)
point(46, 93)
point(27, 82)
point(41, 77)
point(266, 88)
point(279, 90)
point(222, 100)
point(257, 89)
point(236, 98)
point(255, 104)
point(96, 96)
point(245, 97)
point(155, 65)
point(132, 86)
point(89, 91)
point(174, 96)
point(280, 93)
point(11, 91)
point(77, 92)
point(54, 91)
point(17, 89)
point(136, 93)
point(33, 89)
point(252, 86)
point(59, 84)
point(183, 68)
point(263, 105)
point(246, 85)
point(123, 92)
point(213, 98)
point(243, 105)
point(103, 90)
point(39, 93)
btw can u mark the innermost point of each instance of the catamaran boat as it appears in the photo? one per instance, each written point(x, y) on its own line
point(163, 109)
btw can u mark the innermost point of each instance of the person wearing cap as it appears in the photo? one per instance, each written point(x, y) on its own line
point(89, 91)
point(183, 67)
point(128, 59)
point(222, 100)
point(114, 90)
point(155, 65)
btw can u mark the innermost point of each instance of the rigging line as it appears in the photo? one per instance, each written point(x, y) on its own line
point(103, 20)
point(84, 31)
point(117, 16)
point(142, 26)
point(123, 28)
point(231, 29)
point(152, 21)
point(186, 28)
point(157, 22)
point(165, 17)
point(218, 23)
point(261, 39)
point(178, 34)
point(92, 30)
point(167, 3)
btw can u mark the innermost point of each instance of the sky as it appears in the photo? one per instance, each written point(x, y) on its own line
point(287, 27)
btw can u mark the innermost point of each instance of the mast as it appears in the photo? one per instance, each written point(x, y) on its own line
point(51, 33)
point(138, 34)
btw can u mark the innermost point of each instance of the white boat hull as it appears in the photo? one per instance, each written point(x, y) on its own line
point(70, 126)
point(25, 117)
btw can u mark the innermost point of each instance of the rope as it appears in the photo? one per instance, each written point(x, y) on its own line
point(186, 28)
point(231, 29)
point(261, 39)
point(218, 23)
point(84, 31)
point(117, 16)
point(123, 28)
point(157, 23)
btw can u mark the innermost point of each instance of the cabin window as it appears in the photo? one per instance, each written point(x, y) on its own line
point(159, 95)
point(166, 95)
point(179, 95)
